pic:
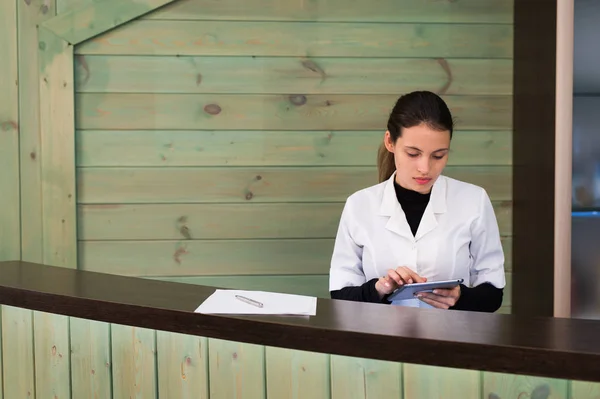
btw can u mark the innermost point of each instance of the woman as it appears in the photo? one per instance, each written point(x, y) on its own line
point(418, 225)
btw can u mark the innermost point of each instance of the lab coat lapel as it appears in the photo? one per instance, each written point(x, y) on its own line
point(436, 205)
point(390, 207)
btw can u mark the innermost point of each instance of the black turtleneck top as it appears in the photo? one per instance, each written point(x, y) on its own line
point(483, 298)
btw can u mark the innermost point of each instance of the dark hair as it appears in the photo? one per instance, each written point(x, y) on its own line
point(410, 110)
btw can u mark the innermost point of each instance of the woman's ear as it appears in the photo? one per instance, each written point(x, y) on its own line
point(387, 140)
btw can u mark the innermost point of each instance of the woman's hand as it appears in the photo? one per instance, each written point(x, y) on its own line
point(397, 278)
point(442, 298)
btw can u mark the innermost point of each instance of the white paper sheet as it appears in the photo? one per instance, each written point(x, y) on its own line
point(225, 302)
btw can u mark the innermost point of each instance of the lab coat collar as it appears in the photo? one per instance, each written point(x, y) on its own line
point(397, 222)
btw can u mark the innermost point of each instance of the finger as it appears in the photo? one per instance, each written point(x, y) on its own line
point(388, 283)
point(395, 277)
point(405, 274)
point(443, 292)
point(412, 275)
point(448, 301)
point(434, 303)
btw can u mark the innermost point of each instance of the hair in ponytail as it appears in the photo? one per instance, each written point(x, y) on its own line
point(385, 163)
point(410, 110)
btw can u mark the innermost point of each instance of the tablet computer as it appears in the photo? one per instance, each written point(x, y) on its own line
point(408, 291)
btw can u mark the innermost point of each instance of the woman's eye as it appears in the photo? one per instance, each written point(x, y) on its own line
point(438, 156)
point(412, 155)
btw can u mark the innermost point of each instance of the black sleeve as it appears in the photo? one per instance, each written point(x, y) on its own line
point(362, 293)
point(483, 298)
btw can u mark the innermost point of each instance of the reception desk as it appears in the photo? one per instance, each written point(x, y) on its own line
point(547, 347)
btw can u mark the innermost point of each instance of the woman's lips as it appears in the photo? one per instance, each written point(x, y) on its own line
point(422, 180)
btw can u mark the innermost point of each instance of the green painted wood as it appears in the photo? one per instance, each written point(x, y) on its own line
point(584, 390)
point(91, 19)
point(317, 285)
point(182, 366)
point(284, 75)
point(356, 378)
point(63, 6)
point(31, 14)
point(115, 111)
point(134, 362)
point(235, 185)
point(91, 362)
point(314, 39)
point(268, 148)
point(515, 386)
point(58, 147)
point(10, 232)
point(477, 11)
point(422, 381)
point(205, 258)
point(17, 351)
point(52, 354)
point(237, 370)
point(223, 221)
point(297, 374)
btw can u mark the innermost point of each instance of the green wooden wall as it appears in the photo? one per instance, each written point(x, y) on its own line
point(216, 142)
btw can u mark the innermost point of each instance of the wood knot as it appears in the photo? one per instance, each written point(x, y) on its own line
point(32, 155)
point(298, 99)
point(185, 231)
point(42, 46)
point(212, 109)
point(9, 125)
point(44, 9)
point(249, 195)
point(234, 355)
point(258, 177)
point(328, 103)
point(198, 79)
point(54, 350)
point(28, 2)
point(493, 396)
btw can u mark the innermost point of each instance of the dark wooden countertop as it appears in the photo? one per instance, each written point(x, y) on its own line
point(551, 347)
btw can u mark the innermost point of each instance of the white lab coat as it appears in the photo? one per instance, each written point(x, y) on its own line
point(458, 237)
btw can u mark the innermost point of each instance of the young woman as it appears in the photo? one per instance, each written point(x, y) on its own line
point(418, 225)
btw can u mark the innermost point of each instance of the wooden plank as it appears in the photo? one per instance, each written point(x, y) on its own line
point(134, 362)
point(31, 14)
point(114, 111)
point(182, 365)
point(268, 148)
point(223, 221)
point(356, 378)
point(477, 11)
point(235, 185)
point(17, 350)
point(499, 385)
point(58, 149)
point(52, 355)
point(585, 390)
point(91, 19)
point(63, 6)
point(237, 370)
point(10, 232)
point(317, 285)
point(297, 374)
point(284, 75)
point(91, 362)
point(301, 39)
point(422, 381)
point(205, 258)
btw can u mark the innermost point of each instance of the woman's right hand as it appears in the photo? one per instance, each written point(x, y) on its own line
point(397, 278)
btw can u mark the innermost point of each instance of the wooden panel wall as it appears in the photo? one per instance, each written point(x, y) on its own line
point(217, 141)
point(215, 144)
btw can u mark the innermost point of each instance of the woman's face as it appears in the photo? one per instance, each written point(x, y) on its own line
point(420, 154)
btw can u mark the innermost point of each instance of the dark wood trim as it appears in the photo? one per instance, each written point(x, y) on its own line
point(549, 347)
point(534, 88)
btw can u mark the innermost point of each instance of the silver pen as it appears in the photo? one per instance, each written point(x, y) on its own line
point(250, 301)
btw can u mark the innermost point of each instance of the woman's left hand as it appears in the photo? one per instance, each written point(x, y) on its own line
point(441, 298)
